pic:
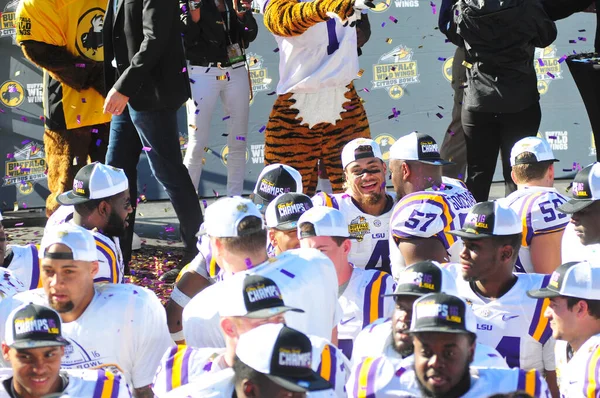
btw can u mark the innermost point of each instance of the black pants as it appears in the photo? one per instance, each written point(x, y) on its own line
point(486, 133)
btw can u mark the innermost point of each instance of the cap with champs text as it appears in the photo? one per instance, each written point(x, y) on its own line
point(326, 221)
point(283, 354)
point(487, 219)
point(94, 181)
point(79, 240)
point(422, 278)
point(585, 189)
point(538, 147)
point(360, 148)
point(252, 296)
point(274, 180)
point(222, 218)
point(573, 279)
point(417, 146)
point(440, 312)
point(33, 326)
point(285, 210)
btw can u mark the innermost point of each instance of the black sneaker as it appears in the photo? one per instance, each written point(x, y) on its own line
point(171, 275)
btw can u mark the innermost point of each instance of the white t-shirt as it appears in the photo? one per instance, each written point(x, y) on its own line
point(362, 303)
point(110, 258)
point(513, 324)
point(580, 376)
point(537, 208)
point(370, 248)
point(81, 383)
point(427, 214)
point(382, 377)
point(376, 340)
point(25, 265)
point(9, 286)
point(124, 327)
point(306, 279)
point(573, 250)
point(182, 365)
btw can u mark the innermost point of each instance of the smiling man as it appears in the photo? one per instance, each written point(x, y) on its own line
point(116, 327)
point(574, 314)
point(366, 205)
point(34, 346)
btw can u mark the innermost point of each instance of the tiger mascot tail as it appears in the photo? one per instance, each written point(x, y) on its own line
point(317, 110)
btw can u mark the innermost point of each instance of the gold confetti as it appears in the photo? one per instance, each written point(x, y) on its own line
point(75, 161)
point(203, 161)
point(222, 77)
point(467, 65)
point(16, 206)
point(388, 40)
point(193, 126)
point(141, 214)
point(360, 72)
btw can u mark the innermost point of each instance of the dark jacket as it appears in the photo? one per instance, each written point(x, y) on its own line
point(500, 39)
point(206, 40)
point(559, 9)
point(145, 39)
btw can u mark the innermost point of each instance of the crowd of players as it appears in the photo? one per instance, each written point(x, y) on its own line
point(419, 292)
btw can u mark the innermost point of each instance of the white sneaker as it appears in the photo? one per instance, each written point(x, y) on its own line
point(136, 242)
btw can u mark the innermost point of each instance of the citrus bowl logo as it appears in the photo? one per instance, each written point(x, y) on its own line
point(12, 93)
point(547, 67)
point(225, 154)
point(89, 41)
point(385, 142)
point(447, 69)
point(395, 70)
point(382, 6)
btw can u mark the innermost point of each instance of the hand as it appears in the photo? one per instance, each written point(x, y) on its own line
point(115, 102)
point(246, 5)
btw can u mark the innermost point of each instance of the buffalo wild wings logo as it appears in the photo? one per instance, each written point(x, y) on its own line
point(547, 67)
point(447, 68)
point(395, 70)
point(89, 41)
point(26, 166)
point(7, 23)
point(385, 142)
point(12, 93)
point(225, 155)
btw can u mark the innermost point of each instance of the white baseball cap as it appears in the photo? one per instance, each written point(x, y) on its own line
point(79, 240)
point(539, 148)
point(417, 146)
point(284, 211)
point(222, 218)
point(360, 148)
point(326, 221)
point(282, 354)
point(252, 296)
point(585, 189)
point(487, 219)
point(94, 181)
point(274, 180)
point(574, 279)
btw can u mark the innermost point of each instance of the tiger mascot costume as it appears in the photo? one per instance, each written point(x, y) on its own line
point(317, 110)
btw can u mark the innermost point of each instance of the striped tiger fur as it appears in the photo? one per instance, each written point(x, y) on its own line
point(290, 142)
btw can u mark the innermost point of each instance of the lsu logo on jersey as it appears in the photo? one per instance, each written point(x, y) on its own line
point(26, 166)
point(12, 93)
point(225, 154)
point(358, 228)
point(89, 42)
point(547, 67)
point(385, 142)
point(447, 69)
point(259, 74)
point(395, 70)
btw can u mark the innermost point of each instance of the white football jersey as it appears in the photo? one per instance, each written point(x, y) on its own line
point(9, 286)
point(573, 250)
point(321, 58)
point(430, 213)
point(362, 303)
point(25, 265)
point(376, 340)
point(81, 383)
point(537, 208)
point(370, 248)
point(513, 324)
point(182, 365)
point(124, 328)
point(578, 376)
point(110, 258)
point(382, 377)
point(306, 279)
